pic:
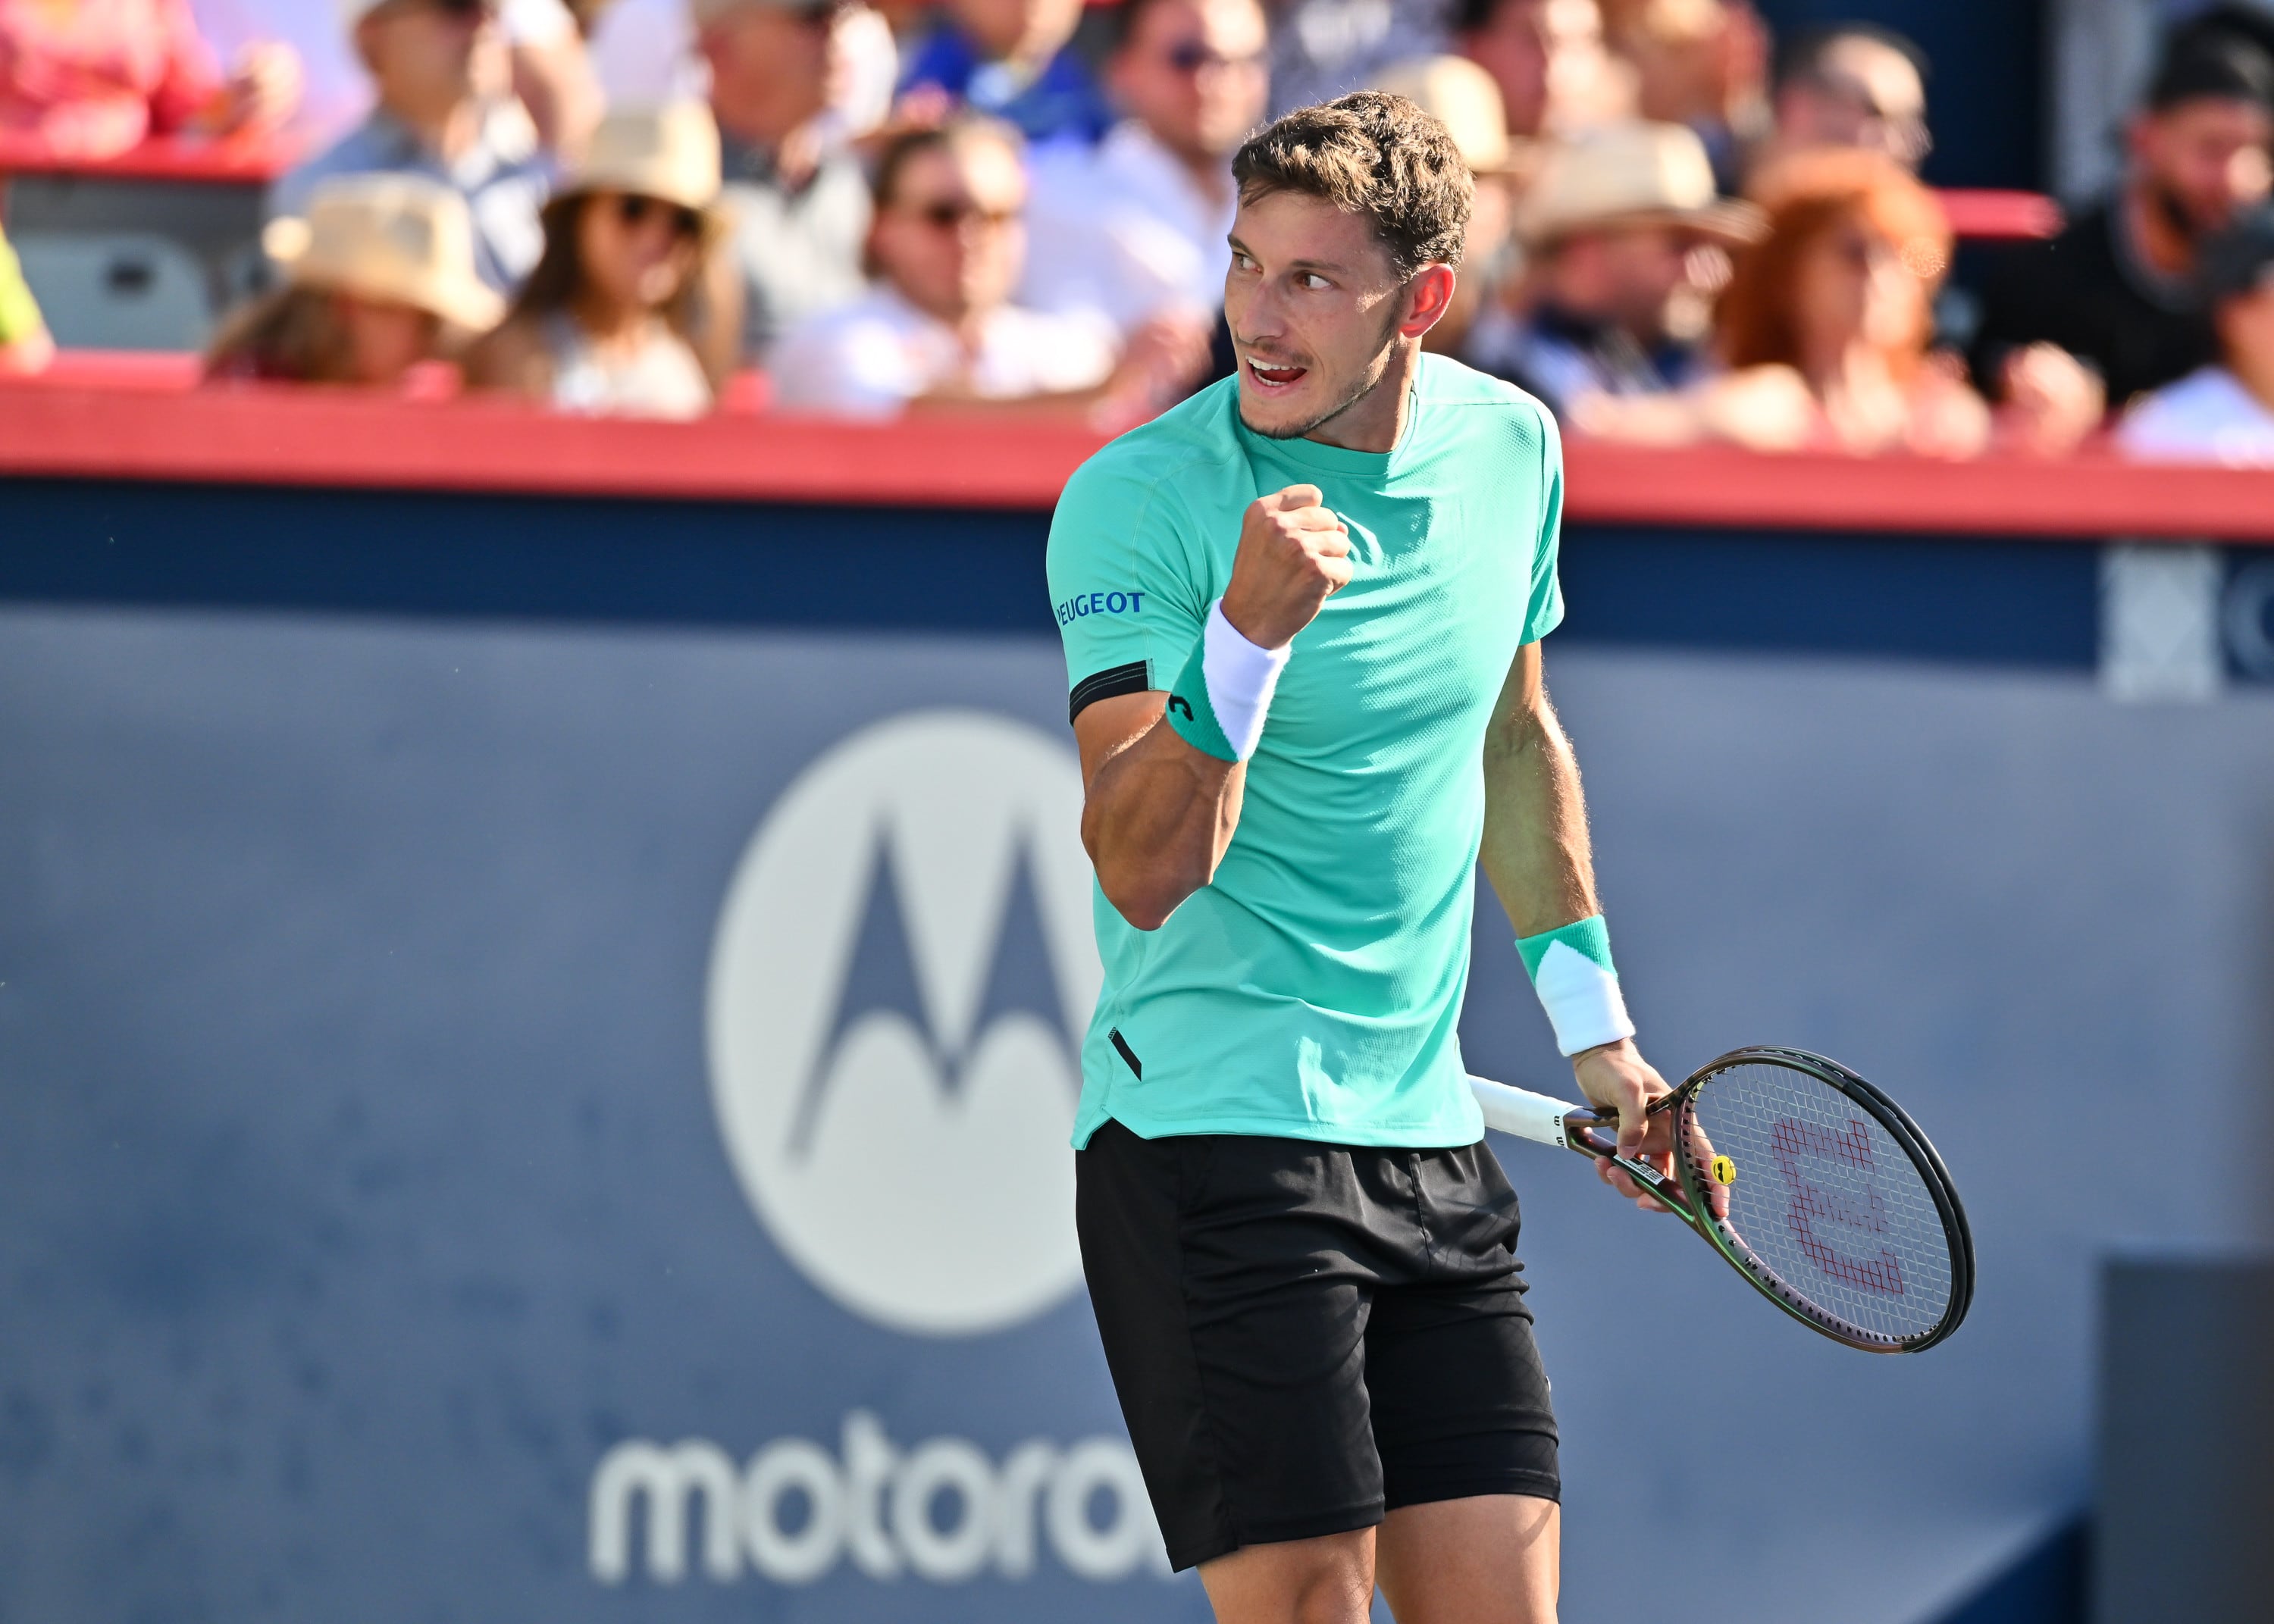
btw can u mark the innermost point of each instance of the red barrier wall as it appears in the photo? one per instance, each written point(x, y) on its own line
point(140, 422)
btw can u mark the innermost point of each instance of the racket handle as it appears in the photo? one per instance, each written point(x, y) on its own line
point(1526, 1114)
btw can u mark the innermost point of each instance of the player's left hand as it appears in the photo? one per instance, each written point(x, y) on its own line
point(1616, 1079)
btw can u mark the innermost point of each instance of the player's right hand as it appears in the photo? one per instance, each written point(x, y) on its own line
point(1293, 555)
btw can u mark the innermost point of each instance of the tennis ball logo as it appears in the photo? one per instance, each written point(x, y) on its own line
point(900, 972)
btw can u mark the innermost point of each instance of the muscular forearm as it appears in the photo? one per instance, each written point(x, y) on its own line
point(1158, 816)
point(1535, 849)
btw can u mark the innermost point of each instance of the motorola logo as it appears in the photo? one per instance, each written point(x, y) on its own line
point(901, 971)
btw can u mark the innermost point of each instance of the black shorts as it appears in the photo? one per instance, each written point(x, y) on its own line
point(1304, 1336)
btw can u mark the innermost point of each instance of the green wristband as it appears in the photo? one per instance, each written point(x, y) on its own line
point(1590, 937)
point(1192, 715)
point(1571, 970)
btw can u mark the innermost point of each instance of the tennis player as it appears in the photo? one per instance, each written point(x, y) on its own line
point(1302, 615)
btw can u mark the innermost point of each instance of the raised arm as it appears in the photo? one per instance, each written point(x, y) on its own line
point(1536, 855)
point(1159, 809)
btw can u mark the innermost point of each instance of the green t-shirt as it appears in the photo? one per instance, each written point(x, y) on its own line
point(1313, 990)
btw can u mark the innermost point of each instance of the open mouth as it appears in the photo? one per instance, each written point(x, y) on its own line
point(1273, 378)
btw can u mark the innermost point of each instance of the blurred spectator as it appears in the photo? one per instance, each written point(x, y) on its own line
point(2225, 412)
point(1461, 95)
point(1836, 304)
point(1615, 221)
point(1548, 61)
point(1013, 60)
point(1322, 49)
point(2118, 287)
point(25, 346)
point(795, 196)
point(438, 68)
point(91, 77)
point(1851, 85)
point(1826, 325)
point(611, 319)
point(553, 73)
point(644, 51)
point(1136, 227)
point(939, 334)
point(1700, 62)
point(379, 277)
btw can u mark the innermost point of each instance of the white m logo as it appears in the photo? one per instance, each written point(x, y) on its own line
point(902, 971)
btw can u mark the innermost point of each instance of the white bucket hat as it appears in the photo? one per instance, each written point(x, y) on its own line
point(669, 152)
point(397, 237)
point(1635, 173)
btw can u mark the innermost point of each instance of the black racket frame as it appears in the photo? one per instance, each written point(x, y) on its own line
point(1687, 1197)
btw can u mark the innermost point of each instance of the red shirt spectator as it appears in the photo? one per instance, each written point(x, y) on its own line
point(95, 77)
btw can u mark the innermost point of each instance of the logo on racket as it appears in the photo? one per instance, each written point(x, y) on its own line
point(897, 986)
point(1835, 1202)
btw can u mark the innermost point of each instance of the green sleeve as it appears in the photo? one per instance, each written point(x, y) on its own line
point(20, 316)
point(1544, 610)
point(1123, 583)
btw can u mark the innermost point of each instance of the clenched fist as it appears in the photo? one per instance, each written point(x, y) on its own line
point(1293, 554)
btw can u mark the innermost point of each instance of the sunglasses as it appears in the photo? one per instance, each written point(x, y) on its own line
point(943, 216)
point(634, 210)
point(1191, 56)
point(464, 11)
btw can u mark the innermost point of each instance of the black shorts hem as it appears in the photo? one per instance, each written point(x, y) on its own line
point(1467, 1485)
point(1316, 1525)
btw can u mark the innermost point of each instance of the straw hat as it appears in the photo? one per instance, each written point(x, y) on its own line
point(1632, 174)
point(668, 153)
point(399, 237)
point(1463, 97)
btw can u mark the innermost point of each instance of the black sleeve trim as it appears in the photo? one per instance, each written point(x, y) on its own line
point(1130, 679)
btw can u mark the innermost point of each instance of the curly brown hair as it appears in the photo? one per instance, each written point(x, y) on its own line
point(1808, 197)
point(1374, 154)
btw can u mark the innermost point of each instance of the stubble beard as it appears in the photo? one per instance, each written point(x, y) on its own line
point(1366, 385)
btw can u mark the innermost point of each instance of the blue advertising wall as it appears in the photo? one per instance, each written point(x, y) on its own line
point(534, 1055)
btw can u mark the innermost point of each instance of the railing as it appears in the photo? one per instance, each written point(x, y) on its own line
point(138, 420)
point(1987, 216)
point(241, 160)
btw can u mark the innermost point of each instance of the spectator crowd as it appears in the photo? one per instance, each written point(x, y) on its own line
point(1684, 231)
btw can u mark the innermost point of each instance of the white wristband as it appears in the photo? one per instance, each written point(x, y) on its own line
point(1582, 999)
point(1241, 680)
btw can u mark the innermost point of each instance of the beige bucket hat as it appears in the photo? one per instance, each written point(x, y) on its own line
point(669, 152)
point(398, 237)
point(1634, 173)
point(1463, 97)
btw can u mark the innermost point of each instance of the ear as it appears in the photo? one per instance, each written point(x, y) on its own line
point(366, 29)
point(1428, 297)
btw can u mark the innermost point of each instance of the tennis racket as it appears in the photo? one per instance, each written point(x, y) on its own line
point(1815, 1186)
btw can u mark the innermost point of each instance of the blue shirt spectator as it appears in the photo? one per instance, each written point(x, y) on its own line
point(1010, 59)
point(428, 63)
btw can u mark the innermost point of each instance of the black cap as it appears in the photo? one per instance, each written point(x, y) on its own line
point(2211, 60)
point(2239, 259)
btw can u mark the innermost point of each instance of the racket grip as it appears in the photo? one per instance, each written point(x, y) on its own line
point(1526, 1114)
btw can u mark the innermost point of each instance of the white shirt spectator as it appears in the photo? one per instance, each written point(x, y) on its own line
point(1125, 230)
point(2207, 417)
point(644, 51)
point(871, 357)
point(536, 22)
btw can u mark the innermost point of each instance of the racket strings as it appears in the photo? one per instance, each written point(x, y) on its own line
point(1825, 1198)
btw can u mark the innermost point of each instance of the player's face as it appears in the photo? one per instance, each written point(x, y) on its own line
point(1316, 309)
